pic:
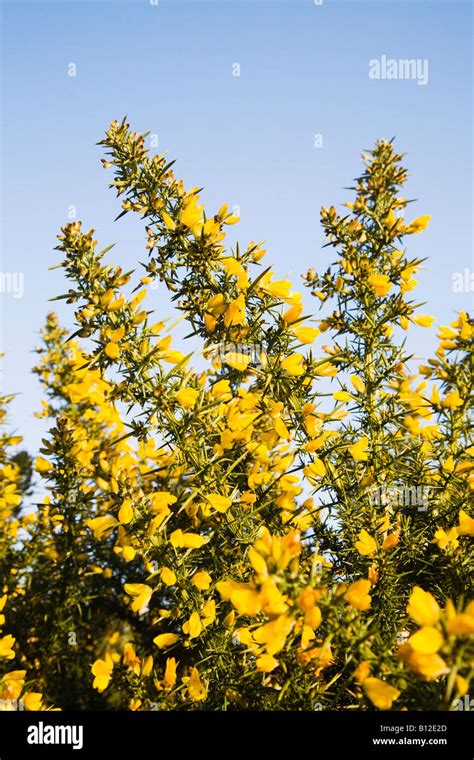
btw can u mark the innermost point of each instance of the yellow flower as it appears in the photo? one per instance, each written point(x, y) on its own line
point(12, 684)
point(266, 663)
point(201, 580)
point(305, 334)
point(42, 465)
point(277, 288)
point(187, 397)
point(446, 540)
point(359, 450)
point(321, 656)
point(168, 576)
point(428, 666)
point(273, 601)
point(404, 323)
point(452, 400)
point(342, 396)
point(293, 364)
point(418, 225)
point(210, 322)
point(462, 686)
point(170, 224)
point(181, 540)
point(193, 626)
point(107, 297)
point(325, 369)
point(423, 320)
point(165, 640)
point(408, 281)
point(381, 694)
point(358, 384)
point(232, 220)
point(234, 267)
point(208, 613)
point(292, 314)
point(191, 213)
point(466, 524)
point(362, 672)
point(390, 541)
point(317, 469)
point(216, 305)
point(3, 601)
point(258, 254)
point(141, 593)
point(462, 624)
point(129, 553)
point(117, 334)
point(427, 640)
point(101, 525)
point(147, 666)
point(161, 500)
point(243, 597)
point(313, 618)
point(6, 647)
point(229, 620)
point(273, 635)
point(197, 691)
point(423, 607)
point(112, 350)
point(32, 700)
point(237, 361)
point(380, 283)
point(307, 636)
point(366, 545)
point(307, 599)
point(235, 312)
point(448, 464)
point(257, 561)
point(138, 298)
point(383, 523)
point(102, 670)
point(358, 594)
point(169, 679)
point(173, 357)
point(246, 601)
point(125, 514)
point(219, 502)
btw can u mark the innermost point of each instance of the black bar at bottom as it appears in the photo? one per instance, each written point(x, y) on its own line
point(154, 734)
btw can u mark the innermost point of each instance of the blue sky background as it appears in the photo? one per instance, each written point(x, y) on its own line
point(248, 139)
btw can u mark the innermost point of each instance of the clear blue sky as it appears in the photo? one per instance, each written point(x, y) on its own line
point(248, 139)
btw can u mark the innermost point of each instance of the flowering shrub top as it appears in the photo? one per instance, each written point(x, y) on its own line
point(283, 530)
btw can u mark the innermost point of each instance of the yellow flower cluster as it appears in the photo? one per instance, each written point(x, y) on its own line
point(249, 533)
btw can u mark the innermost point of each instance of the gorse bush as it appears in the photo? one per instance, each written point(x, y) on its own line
point(282, 530)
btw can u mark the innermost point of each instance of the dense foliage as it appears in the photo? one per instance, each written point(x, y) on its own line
point(282, 530)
